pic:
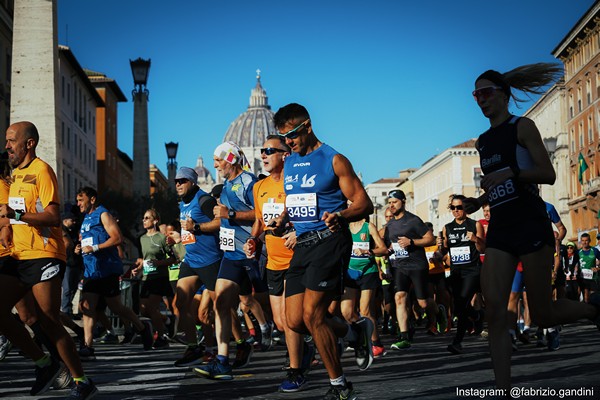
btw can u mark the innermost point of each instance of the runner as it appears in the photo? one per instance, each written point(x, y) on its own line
point(318, 182)
point(37, 260)
point(199, 228)
point(514, 161)
point(589, 258)
point(100, 236)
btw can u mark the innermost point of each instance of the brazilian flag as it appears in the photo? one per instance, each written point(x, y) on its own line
point(582, 167)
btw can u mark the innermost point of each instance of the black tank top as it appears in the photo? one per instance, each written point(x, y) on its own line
point(463, 253)
point(512, 201)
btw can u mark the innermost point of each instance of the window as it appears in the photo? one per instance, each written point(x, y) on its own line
point(62, 86)
point(68, 94)
point(590, 130)
point(68, 138)
point(75, 143)
point(75, 102)
point(62, 132)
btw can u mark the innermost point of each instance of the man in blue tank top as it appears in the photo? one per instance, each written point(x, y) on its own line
point(200, 266)
point(318, 182)
point(238, 275)
point(100, 236)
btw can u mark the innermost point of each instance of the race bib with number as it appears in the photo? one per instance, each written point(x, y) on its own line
point(187, 237)
point(89, 241)
point(460, 255)
point(360, 249)
point(429, 255)
point(302, 207)
point(587, 273)
point(399, 251)
point(271, 210)
point(17, 203)
point(148, 267)
point(227, 239)
point(502, 193)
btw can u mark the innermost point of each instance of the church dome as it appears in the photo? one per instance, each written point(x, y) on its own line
point(250, 129)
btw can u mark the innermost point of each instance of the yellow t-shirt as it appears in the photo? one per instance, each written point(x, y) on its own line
point(269, 202)
point(35, 187)
point(433, 269)
point(4, 187)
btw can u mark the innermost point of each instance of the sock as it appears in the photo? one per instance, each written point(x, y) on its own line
point(403, 336)
point(350, 335)
point(82, 379)
point(36, 327)
point(339, 381)
point(264, 328)
point(223, 359)
point(252, 332)
point(526, 328)
point(44, 361)
point(239, 341)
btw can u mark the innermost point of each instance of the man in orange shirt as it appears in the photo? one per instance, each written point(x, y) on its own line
point(269, 203)
point(33, 213)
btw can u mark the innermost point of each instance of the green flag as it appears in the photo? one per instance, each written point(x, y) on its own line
point(582, 167)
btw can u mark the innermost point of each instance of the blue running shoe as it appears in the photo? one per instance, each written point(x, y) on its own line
point(294, 382)
point(215, 370)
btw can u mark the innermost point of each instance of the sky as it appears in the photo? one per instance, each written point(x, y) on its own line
point(387, 83)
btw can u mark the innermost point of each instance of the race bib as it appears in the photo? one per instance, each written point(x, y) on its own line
point(399, 251)
point(148, 267)
point(17, 203)
point(360, 249)
point(89, 241)
point(227, 239)
point(429, 255)
point(271, 210)
point(587, 273)
point(460, 255)
point(302, 207)
point(502, 193)
point(187, 237)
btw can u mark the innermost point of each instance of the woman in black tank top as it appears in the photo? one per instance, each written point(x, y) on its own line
point(514, 160)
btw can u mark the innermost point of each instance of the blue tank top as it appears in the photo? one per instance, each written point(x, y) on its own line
point(237, 195)
point(311, 188)
point(104, 262)
point(205, 250)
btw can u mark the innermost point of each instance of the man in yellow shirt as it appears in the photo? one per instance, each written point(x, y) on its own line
point(38, 260)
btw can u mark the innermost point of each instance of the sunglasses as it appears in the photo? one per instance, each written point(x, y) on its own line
point(294, 133)
point(270, 150)
point(181, 181)
point(459, 208)
point(146, 218)
point(485, 92)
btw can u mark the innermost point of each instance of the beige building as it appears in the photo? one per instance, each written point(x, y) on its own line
point(379, 190)
point(6, 37)
point(454, 171)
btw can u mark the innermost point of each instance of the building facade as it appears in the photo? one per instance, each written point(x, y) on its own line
point(378, 192)
point(6, 37)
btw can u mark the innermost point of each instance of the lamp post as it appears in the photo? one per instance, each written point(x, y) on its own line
point(141, 157)
point(435, 202)
point(477, 182)
point(171, 148)
point(550, 144)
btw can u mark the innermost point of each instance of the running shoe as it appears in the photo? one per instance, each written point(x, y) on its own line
point(432, 331)
point(379, 351)
point(276, 335)
point(286, 363)
point(107, 338)
point(161, 342)
point(45, 377)
point(147, 335)
point(63, 380)
point(193, 356)
point(87, 353)
point(338, 392)
point(541, 338)
point(595, 301)
point(5, 346)
point(442, 319)
point(308, 353)
point(215, 370)
point(243, 355)
point(455, 348)
point(266, 339)
point(128, 337)
point(524, 336)
point(401, 344)
point(293, 382)
point(83, 390)
point(363, 347)
point(553, 340)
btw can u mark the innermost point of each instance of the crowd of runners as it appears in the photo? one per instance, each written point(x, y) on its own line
point(292, 257)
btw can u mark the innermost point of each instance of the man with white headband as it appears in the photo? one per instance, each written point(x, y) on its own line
point(238, 274)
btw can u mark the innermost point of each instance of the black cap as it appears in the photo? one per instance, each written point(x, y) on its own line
point(397, 194)
point(68, 215)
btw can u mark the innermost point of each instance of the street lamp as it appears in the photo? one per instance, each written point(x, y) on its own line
point(477, 181)
point(550, 145)
point(435, 202)
point(171, 148)
point(141, 156)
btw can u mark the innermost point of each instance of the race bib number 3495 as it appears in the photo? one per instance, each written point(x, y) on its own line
point(302, 207)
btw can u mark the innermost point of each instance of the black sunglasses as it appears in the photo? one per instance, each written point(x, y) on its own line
point(270, 150)
point(459, 208)
point(181, 181)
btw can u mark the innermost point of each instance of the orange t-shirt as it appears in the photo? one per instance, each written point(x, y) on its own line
point(34, 187)
point(4, 188)
point(433, 269)
point(269, 202)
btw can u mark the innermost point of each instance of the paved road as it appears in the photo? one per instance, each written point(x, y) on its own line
point(426, 371)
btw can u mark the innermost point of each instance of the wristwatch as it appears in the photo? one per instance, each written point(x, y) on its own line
point(231, 214)
point(412, 242)
point(19, 214)
point(197, 228)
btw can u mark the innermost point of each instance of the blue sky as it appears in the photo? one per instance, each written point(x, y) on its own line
point(387, 83)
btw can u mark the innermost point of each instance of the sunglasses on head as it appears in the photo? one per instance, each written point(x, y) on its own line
point(485, 92)
point(294, 133)
point(270, 150)
point(180, 181)
point(459, 208)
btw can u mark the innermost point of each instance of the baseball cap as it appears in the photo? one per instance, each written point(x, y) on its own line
point(397, 194)
point(570, 244)
point(187, 173)
point(68, 215)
